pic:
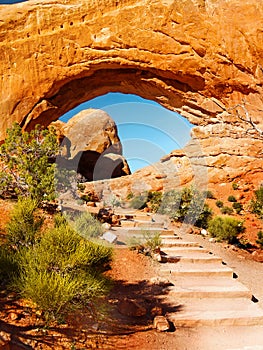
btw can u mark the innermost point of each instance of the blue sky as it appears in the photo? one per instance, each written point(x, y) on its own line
point(147, 130)
point(3, 2)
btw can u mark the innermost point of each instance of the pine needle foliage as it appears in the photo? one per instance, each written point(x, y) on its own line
point(29, 163)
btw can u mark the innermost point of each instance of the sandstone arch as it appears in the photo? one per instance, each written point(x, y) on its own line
point(198, 57)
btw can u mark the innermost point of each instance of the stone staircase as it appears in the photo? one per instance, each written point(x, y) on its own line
point(203, 289)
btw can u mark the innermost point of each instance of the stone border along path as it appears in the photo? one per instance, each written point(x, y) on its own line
point(203, 287)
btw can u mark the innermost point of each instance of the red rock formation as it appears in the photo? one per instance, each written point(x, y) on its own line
point(91, 146)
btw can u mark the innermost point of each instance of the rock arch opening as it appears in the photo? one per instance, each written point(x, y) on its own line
point(147, 131)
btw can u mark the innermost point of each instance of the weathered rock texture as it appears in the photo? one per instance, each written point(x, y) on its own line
point(198, 57)
point(91, 146)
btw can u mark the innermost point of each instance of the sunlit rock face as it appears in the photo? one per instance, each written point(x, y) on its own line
point(200, 58)
point(91, 146)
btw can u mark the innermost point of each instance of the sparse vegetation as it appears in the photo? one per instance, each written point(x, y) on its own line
point(186, 205)
point(59, 270)
point(225, 229)
point(219, 204)
point(155, 200)
point(232, 199)
point(257, 203)
point(235, 186)
point(260, 239)
point(226, 210)
point(209, 195)
point(28, 159)
point(238, 207)
point(86, 225)
point(147, 243)
point(24, 225)
point(139, 201)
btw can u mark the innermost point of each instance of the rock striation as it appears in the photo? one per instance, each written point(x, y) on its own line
point(91, 146)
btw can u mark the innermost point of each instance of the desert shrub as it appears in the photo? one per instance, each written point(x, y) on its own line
point(185, 205)
point(129, 196)
point(147, 243)
point(62, 271)
point(8, 264)
point(155, 200)
point(139, 202)
point(232, 199)
point(86, 225)
point(260, 239)
point(257, 203)
point(238, 207)
point(24, 224)
point(204, 217)
point(225, 228)
point(226, 210)
point(29, 163)
point(209, 194)
point(219, 204)
point(235, 186)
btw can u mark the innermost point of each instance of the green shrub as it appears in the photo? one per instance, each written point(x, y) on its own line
point(186, 205)
point(29, 163)
point(139, 202)
point(225, 228)
point(226, 210)
point(155, 200)
point(204, 217)
point(257, 203)
point(209, 194)
point(235, 186)
point(129, 196)
point(8, 264)
point(238, 207)
point(86, 225)
point(24, 225)
point(219, 204)
point(62, 271)
point(231, 199)
point(260, 239)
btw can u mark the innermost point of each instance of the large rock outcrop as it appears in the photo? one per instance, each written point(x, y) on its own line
point(198, 57)
point(90, 145)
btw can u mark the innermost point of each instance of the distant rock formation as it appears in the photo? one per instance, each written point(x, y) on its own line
point(91, 146)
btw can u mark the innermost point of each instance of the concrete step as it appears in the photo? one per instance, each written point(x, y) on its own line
point(174, 242)
point(191, 257)
point(137, 223)
point(216, 312)
point(148, 224)
point(201, 287)
point(140, 230)
point(182, 268)
point(168, 235)
point(182, 250)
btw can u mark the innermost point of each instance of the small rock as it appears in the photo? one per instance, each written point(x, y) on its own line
point(109, 237)
point(204, 232)
point(13, 316)
point(90, 204)
point(157, 257)
point(161, 324)
point(131, 308)
point(106, 226)
point(160, 281)
point(212, 240)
